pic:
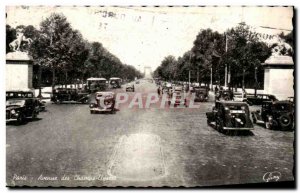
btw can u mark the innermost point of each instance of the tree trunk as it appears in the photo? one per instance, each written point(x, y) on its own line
point(243, 83)
point(53, 78)
point(39, 81)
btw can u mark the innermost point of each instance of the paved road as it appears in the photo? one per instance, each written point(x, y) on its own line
point(68, 146)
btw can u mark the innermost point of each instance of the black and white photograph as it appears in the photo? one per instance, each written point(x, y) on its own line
point(149, 96)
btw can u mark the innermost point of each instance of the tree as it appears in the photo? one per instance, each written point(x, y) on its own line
point(58, 32)
point(245, 53)
point(208, 44)
point(10, 36)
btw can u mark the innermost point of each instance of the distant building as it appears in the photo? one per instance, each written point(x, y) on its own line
point(148, 72)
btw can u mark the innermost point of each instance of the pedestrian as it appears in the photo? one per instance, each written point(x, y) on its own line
point(158, 91)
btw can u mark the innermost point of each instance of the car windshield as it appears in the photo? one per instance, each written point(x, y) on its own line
point(15, 102)
point(282, 107)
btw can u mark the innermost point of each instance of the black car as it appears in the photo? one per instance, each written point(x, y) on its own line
point(129, 87)
point(225, 95)
point(61, 95)
point(201, 94)
point(25, 94)
point(258, 99)
point(19, 109)
point(230, 115)
point(276, 115)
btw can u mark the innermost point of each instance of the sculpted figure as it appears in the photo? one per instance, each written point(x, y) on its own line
point(16, 44)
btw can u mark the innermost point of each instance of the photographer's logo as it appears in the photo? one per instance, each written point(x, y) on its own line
point(272, 176)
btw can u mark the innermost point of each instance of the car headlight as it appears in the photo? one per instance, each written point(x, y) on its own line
point(13, 111)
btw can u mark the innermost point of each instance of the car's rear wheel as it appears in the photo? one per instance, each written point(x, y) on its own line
point(219, 125)
point(285, 122)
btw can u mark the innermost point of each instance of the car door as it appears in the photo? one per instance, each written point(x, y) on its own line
point(29, 107)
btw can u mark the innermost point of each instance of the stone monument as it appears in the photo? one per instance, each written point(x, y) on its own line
point(19, 65)
point(278, 75)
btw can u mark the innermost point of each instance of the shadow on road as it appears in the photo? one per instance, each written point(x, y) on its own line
point(16, 123)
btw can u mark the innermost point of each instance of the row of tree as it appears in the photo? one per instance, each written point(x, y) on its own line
point(238, 50)
point(63, 56)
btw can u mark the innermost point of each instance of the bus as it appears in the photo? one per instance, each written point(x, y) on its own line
point(96, 84)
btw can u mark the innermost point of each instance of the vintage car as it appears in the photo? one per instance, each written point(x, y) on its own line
point(239, 96)
point(230, 115)
point(115, 82)
point(105, 102)
point(201, 94)
point(26, 94)
point(96, 84)
point(177, 97)
point(224, 95)
point(61, 95)
point(258, 99)
point(275, 115)
point(19, 109)
point(167, 89)
point(178, 88)
point(129, 87)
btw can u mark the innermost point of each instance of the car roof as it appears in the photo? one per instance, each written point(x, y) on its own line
point(92, 78)
point(115, 78)
point(105, 93)
point(231, 102)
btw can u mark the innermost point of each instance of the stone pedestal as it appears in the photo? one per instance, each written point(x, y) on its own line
point(18, 71)
point(279, 78)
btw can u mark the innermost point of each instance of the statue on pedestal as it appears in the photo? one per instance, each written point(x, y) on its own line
point(16, 45)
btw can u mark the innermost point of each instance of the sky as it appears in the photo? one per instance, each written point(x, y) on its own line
point(143, 36)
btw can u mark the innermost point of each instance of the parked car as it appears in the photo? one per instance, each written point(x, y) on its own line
point(201, 94)
point(137, 82)
point(105, 102)
point(230, 115)
point(130, 87)
point(276, 115)
point(260, 98)
point(25, 94)
point(61, 95)
point(239, 96)
point(225, 95)
point(19, 109)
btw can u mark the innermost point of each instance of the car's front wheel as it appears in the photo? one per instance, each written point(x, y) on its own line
point(21, 118)
point(34, 115)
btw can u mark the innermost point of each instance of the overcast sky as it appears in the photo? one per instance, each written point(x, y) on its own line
point(143, 36)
